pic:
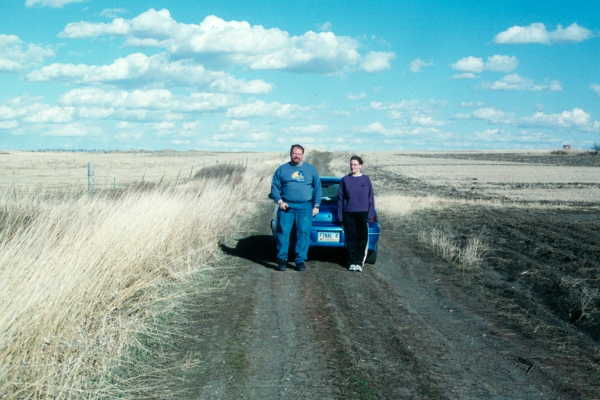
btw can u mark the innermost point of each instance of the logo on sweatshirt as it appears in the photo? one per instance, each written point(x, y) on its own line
point(298, 176)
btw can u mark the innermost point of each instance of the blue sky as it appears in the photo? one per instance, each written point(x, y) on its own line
point(336, 75)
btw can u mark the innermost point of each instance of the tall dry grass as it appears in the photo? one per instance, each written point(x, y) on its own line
point(79, 276)
point(466, 256)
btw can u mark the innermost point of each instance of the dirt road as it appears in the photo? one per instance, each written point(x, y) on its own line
point(403, 329)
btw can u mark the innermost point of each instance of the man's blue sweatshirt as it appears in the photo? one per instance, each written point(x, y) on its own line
point(296, 183)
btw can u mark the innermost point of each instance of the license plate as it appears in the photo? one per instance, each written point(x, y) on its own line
point(328, 236)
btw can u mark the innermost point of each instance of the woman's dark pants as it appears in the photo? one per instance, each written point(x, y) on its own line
point(356, 230)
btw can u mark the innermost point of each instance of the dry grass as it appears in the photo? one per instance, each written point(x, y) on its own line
point(468, 256)
point(80, 276)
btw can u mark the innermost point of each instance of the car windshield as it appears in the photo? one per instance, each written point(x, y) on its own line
point(329, 191)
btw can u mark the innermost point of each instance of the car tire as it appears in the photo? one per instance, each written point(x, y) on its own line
point(371, 257)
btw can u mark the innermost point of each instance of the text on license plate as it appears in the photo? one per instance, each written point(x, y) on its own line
point(328, 236)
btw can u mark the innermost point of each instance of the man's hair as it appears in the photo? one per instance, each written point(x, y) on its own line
point(356, 158)
point(296, 146)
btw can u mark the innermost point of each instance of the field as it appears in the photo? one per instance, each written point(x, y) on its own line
point(67, 171)
point(537, 213)
point(160, 283)
point(84, 276)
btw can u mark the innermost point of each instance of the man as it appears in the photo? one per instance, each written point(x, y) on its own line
point(296, 188)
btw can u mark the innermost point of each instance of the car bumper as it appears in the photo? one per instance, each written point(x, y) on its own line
point(322, 235)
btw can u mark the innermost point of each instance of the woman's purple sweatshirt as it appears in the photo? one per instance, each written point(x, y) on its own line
point(356, 194)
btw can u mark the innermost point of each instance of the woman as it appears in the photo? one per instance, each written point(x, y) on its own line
point(356, 208)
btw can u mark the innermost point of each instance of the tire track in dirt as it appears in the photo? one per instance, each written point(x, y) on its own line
point(284, 356)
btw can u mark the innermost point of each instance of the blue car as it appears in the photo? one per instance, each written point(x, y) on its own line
point(326, 231)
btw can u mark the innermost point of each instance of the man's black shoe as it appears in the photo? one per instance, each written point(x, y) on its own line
point(281, 265)
point(300, 266)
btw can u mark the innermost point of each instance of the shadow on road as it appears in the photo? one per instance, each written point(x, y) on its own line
point(330, 255)
point(261, 250)
point(256, 248)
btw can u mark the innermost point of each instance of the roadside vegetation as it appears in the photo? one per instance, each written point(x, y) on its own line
point(85, 280)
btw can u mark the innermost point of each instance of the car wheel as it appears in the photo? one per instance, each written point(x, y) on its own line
point(371, 257)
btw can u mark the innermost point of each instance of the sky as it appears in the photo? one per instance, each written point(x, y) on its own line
point(336, 75)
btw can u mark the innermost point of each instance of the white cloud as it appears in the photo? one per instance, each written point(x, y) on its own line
point(572, 33)
point(412, 112)
point(595, 88)
point(501, 63)
point(223, 136)
point(42, 113)
point(471, 104)
point(262, 109)
point(357, 96)
point(236, 42)
point(163, 126)
point(377, 61)
point(259, 136)
point(473, 65)
point(301, 139)
point(375, 127)
point(83, 29)
point(491, 114)
point(8, 112)
point(112, 12)
point(314, 128)
point(566, 119)
point(469, 64)
point(325, 26)
point(537, 33)
point(575, 118)
point(138, 67)
point(97, 104)
point(234, 125)
point(74, 129)
point(50, 3)
point(155, 99)
point(378, 128)
point(417, 65)
point(487, 133)
point(95, 112)
point(412, 105)
point(517, 82)
point(425, 120)
point(15, 54)
point(465, 75)
point(11, 124)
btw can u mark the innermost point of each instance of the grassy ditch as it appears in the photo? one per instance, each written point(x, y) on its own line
point(86, 280)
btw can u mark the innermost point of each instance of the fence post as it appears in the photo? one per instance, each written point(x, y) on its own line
point(91, 178)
